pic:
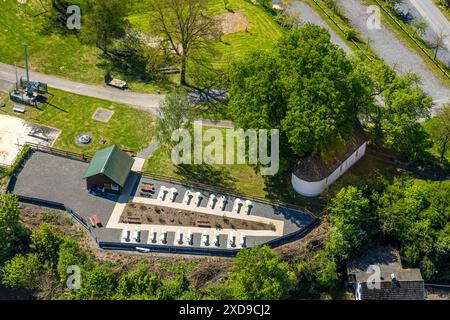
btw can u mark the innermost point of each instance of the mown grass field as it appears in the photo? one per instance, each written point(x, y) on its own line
point(242, 177)
point(54, 50)
point(128, 128)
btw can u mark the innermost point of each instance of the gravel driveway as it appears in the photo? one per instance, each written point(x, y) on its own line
point(307, 14)
point(408, 9)
point(394, 52)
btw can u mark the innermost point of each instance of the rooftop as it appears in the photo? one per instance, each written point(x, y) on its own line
point(313, 168)
point(407, 285)
point(113, 163)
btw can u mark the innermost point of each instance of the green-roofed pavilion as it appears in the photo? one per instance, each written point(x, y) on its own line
point(109, 170)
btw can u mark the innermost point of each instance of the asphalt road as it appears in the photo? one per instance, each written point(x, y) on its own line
point(148, 102)
point(395, 52)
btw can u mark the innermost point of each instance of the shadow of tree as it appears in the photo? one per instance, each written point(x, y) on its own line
point(207, 174)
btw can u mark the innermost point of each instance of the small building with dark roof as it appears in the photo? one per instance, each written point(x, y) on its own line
point(313, 175)
point(109, 170)
point(379, 275)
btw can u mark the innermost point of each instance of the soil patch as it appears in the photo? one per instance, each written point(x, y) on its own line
point(233, 22)
point(148, 214)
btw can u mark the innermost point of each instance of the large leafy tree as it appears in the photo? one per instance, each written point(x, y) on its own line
point(440, 131)
point(175, 112)
point(46, 242)
point(185, 25)
point(349, 217)
point(104, 21)
point(418, 215)
point(22, 272)
point(98, 284)
point(259, 274)
point(12, 232)
point(306, 87)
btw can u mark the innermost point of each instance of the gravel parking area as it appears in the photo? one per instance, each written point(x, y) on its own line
point(394, 52)
point(307, 14)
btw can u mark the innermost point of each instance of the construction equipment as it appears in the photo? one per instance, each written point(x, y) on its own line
point(28, 92)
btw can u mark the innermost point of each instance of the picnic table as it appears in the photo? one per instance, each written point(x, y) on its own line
point(19, 109)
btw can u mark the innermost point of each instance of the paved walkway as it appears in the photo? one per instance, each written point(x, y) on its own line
point(148, 102)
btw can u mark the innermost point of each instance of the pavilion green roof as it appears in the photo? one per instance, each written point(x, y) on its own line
point(113, 163)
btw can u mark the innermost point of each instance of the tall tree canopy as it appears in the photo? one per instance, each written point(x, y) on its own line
point(185, 26)
point(105, 20)
point(12, 232)
point(306, 87)
point(258, 274)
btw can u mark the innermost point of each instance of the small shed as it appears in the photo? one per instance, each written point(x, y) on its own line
point(109, 170)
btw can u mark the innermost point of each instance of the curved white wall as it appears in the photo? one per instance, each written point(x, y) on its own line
point(313, 189)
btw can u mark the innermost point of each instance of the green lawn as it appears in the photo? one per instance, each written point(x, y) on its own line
point(54, 50)
point(239, 177)
point(128, 128)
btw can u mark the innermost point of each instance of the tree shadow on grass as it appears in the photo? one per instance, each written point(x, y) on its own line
point(279, 187)
point(206, 174)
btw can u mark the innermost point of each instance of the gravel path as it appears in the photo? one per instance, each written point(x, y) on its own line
point(149, 102)
point(394, 52)
point(307, 14)
point(409, 8)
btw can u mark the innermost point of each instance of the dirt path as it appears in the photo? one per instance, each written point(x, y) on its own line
point(394, 52)
point(148, 102)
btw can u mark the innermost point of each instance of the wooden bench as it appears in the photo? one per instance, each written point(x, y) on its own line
point(135, 220)
point(203, 224)
point(19, 109)
point(96, 220)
